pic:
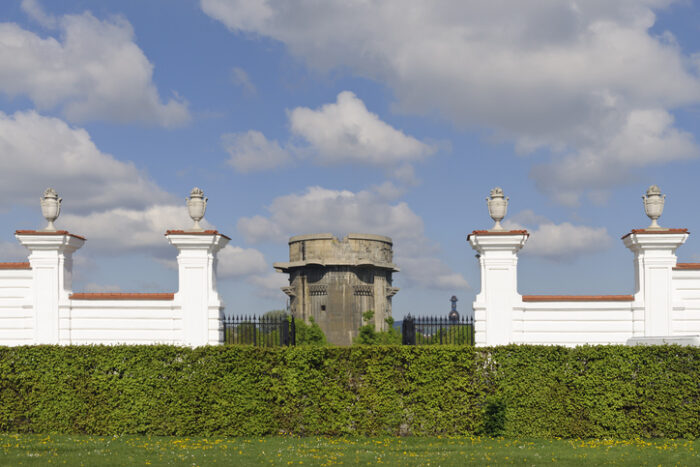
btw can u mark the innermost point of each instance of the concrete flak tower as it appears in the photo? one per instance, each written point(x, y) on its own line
point(336, 281)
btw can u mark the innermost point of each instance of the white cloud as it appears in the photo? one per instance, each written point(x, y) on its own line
point(565, 241)
point(240, 77)
point(37, 152)
point(346, 131)
point(34, 10)
point(559, 242)
point(117, 230)
point(93, 71)
point(251, 152)
point(647, 138)
point(430, 272)
point(269, 284)
point(573, 77)
point(234, 261)
point(341, 132)
point(341, 212)
point(406, 174)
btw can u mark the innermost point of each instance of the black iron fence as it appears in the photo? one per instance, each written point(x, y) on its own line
point(260, 331)
point(437, 331)
point(281, 331)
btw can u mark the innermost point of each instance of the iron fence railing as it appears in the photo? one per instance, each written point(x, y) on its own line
point(259, 331)
point(437, 331)
point(281, 331)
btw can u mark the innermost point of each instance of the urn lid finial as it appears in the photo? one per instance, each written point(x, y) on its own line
point(497, 192)
point(196, 193)
point(50, 193)
point(653, 190)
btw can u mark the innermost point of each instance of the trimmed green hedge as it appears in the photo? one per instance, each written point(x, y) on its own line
point(603, 391)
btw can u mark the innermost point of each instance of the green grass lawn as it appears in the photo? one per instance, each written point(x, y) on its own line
point(155, 450)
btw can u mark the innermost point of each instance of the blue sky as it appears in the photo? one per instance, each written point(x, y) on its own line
point(394, 118)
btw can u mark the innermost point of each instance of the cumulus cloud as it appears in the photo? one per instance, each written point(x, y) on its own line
point(559, 242)
point(571, 77)
point(240, 77)
point(93, 70)
point(346, 131)
point(235, 261)
point(340, 212)
point(336, 133)
point(647, 138)
point(269, 285)
point(249, 264)
point(35, 11)
point(251, 151)
point(118, 230)
point(37, 152)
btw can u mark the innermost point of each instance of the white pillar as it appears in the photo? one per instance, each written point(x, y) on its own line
point(202, 308)
point(654, 259)
point(51, 260)
point(493, 307)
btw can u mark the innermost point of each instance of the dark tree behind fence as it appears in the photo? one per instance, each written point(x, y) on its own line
point(437, 331)
point(261, 331)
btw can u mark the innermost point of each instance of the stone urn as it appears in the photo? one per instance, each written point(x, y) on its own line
point(197, 206)
point(498, 206)
point(50, 207)
point(654, 206)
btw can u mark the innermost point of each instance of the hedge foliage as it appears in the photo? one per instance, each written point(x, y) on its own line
point(602, 391)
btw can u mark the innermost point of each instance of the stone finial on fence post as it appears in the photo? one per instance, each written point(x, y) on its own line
point(498, 206)
point(50, 208)
point(654, 206)
point(197, 206)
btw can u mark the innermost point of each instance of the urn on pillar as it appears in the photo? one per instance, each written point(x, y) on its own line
point(50, 208)
point(498, 205)
point(654, 206)
point(197, 206)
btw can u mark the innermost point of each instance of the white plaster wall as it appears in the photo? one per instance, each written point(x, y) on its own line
point(16, 317)
point(575, 323)
point(685, 317)
point(121, 322)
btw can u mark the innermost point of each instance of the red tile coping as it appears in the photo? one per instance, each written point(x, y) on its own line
point(687, 266)
point(47, 232)
point(654, 231)
point(197, 232)
point(498, 232)
point(15, 266)
point(121, 296)
point(578, 298)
